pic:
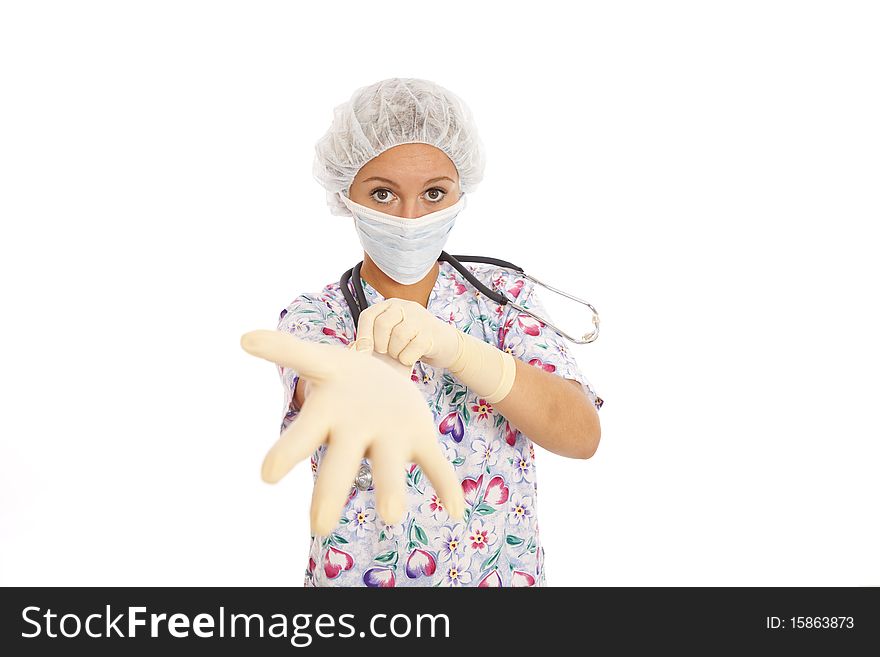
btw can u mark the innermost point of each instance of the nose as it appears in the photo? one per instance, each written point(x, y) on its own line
point(410, 208)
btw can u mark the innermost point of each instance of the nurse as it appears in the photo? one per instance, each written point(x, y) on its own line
point(427, 422)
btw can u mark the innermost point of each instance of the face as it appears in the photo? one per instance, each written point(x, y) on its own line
point(407, 181)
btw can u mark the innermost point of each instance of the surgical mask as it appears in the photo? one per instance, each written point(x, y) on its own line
point(405, 249)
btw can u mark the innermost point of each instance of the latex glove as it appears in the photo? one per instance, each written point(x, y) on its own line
point(407, 331)
point(361, 404)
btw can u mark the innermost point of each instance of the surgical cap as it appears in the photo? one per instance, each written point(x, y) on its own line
point(389, 113)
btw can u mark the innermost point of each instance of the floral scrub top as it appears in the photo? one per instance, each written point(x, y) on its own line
point(497, 543)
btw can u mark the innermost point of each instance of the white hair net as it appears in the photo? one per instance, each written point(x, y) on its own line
point(389, 113)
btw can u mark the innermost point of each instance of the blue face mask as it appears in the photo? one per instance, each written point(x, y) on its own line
point(405, 249)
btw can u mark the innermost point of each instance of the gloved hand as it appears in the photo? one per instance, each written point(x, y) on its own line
point(408, 331)
point(360, 403)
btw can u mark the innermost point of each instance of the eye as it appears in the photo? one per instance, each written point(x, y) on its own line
point(436, 199)
point(385, 195)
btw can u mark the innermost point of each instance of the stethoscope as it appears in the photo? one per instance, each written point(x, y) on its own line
point(364, 478)
point(355, 306)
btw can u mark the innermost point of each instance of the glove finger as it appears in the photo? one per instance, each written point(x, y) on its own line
point(442, 475)
point(335, 478)
point(383, 325)
point(304, 435)
point(418, 347)
point(389, 475)
point(312, 360)
point(368, 318)
point(401, 336)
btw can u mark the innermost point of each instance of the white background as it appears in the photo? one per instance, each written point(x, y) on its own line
point(706, 174)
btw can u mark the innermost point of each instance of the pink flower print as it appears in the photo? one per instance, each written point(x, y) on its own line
point(519, 578)
point(547, 367)
point(532, 451)
point(334, 334)
point(496, 491)
point(336, 562)
point(510, 434)
point(492, 580)
point(360, 519)
point(514, 289)
point(458, 287)
point(415, 378)
point(451, 543)
point(433, 507)
point(455, 572)
point(503, 331)
point(529, 325)
point(515, 346)
point(455, 315)
point(481, 536)
point(453, 424)
point(379, 577)
point(420, 563)
point(485, 453)
point(482, 408)
point(520, 510)
point(522, 467)
point(471, 489)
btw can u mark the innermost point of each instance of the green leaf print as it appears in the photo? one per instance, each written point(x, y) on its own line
point(488, 563)
point(458, 461)
point(421, 536)
point(336, 538)
point(514, 540)
point(484, 509)
point(387, 557)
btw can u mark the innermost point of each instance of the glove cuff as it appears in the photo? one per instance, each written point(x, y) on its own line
point(484, 368)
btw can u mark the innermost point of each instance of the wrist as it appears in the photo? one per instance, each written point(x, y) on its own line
point(488, 371)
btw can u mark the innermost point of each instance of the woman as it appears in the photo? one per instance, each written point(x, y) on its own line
point(397, 151)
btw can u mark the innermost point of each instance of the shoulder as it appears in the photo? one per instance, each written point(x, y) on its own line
point(327, 300)
point(509, 282)
point(323, 312)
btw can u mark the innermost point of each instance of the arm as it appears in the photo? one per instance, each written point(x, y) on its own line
point(542, 405)
point(553, 412)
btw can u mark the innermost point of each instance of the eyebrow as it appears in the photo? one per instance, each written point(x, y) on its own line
point(391, 182)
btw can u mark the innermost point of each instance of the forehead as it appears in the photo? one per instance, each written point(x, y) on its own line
point(409, 163)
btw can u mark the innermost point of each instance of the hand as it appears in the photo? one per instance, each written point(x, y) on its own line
point(407, 331)
point(361, 404)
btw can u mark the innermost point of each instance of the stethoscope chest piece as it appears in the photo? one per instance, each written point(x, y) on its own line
point(364, 478)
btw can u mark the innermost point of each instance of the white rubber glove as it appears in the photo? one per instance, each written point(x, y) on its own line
point(360, 404)
point(407, 331)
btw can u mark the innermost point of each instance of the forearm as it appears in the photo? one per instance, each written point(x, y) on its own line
point(552, 411)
